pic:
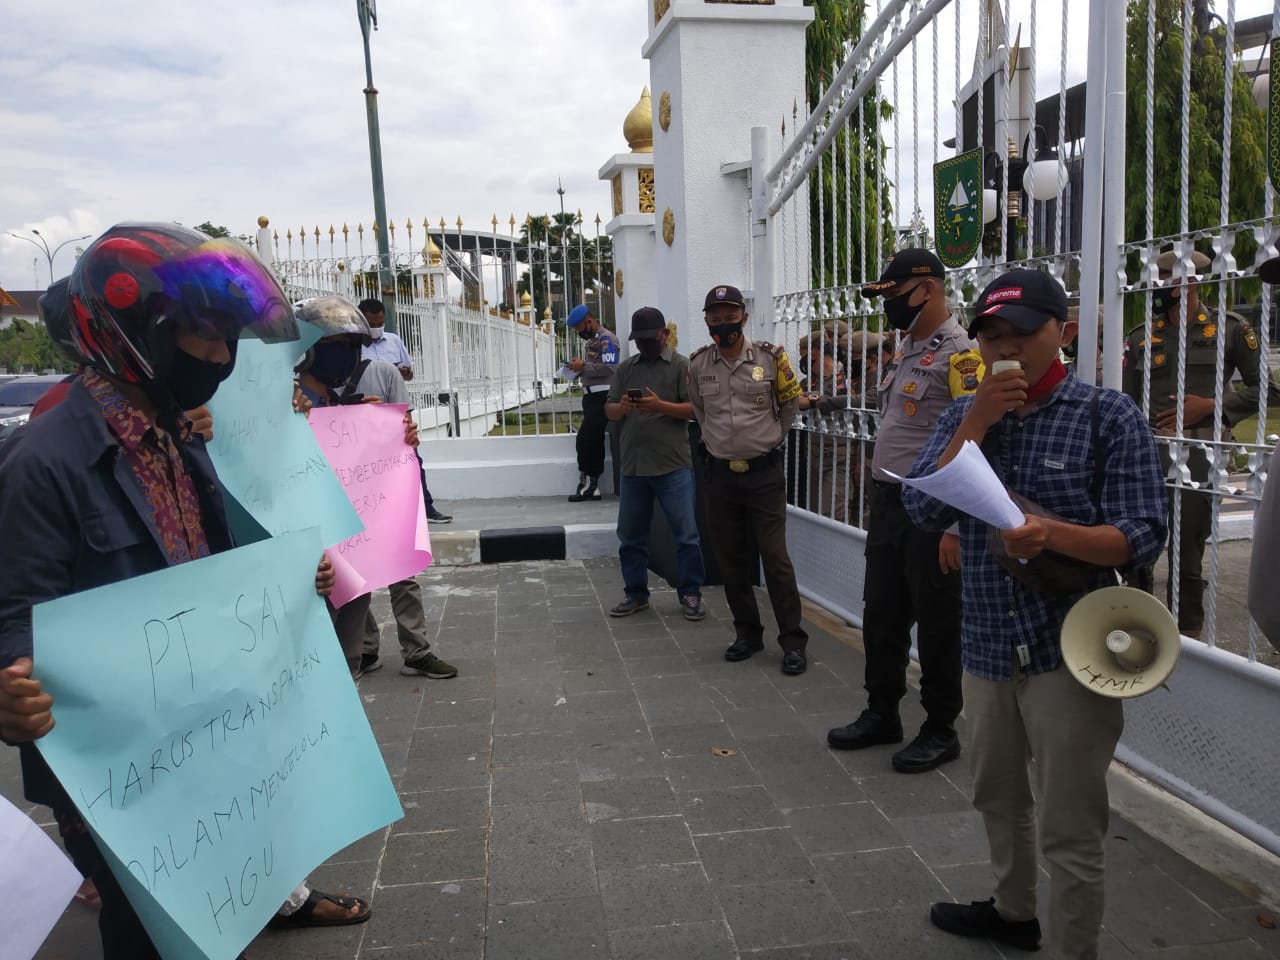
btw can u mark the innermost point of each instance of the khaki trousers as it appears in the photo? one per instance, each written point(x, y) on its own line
point(411, 623)
point(1070, 734)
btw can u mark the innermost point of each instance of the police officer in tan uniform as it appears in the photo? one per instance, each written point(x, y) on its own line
point(912, 575)
point(744, 397)
point(1241, 355)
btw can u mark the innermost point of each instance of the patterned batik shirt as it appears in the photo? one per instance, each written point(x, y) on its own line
point(1046, 457)
point(153, 457)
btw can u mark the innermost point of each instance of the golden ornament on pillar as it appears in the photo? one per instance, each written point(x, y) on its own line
point(617, 282)
point(668, 226)
point(644, 181)
point(660, 7)
point(673, 335)
point(664, 111)
point(617, 195)
point(637, 128)
point(263, 222)
point(432, 252)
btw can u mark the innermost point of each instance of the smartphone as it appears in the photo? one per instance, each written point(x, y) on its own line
point(635, 394)
point(1000, 366)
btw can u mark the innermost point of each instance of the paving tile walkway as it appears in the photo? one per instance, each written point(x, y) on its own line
point(593, 787)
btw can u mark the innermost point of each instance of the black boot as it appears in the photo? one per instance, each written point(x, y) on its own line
point(577, 491)
point(588, 491)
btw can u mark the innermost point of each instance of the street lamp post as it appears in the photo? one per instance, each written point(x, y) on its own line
point(367, 12)
point(43, 244)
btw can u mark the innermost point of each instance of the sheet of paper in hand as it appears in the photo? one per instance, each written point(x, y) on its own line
point(364, 443)
point(266, 456)
point(210, 735)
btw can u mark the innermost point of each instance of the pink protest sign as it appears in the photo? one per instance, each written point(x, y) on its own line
point(364, 444)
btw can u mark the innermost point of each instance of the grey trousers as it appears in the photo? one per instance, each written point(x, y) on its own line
point(1070, 735)
point(348, 624)
point(411, 623)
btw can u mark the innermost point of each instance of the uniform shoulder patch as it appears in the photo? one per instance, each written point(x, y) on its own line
point(965, 370)
point(785, 382)
point(1250, 338)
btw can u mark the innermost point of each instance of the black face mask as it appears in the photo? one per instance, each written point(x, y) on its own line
point(584, 334)
point(333, 362)
point(900, 313)
point(725, 334)
point(649, 349)
point(192, 382)
point(1165, 298)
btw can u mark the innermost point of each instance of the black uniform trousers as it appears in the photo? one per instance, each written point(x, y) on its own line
point(590, 441)
point(1195, 525)
point(904, 585)
point(739, 504)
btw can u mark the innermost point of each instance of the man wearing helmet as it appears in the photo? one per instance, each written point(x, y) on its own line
point(107, 486)
point(330, 373)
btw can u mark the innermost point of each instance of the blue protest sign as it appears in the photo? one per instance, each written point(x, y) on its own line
point(266, 456)
point(208, 731)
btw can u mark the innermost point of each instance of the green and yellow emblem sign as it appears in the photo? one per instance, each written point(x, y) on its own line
point(957, 208)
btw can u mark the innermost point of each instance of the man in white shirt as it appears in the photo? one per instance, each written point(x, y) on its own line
point(386, 346)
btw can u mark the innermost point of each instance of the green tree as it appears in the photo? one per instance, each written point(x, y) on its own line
point(211, 230)
point(847, 205)
point(27, 347)
point(555, 246)
point(1248, 132)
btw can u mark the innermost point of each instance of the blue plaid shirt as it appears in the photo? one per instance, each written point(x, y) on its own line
point(1046, 457)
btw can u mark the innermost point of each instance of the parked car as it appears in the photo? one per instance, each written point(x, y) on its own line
point(18, 396)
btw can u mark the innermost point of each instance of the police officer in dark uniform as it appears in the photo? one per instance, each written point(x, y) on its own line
point(1239, 401)
point(912, 575)
point(745, 395)
point(595, 367)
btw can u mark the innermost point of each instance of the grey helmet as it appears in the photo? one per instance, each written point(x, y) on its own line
point(333, 316)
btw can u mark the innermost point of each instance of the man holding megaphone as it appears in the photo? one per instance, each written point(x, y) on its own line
point(1082, 465)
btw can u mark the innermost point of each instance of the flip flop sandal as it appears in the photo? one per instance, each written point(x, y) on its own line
point(90, 899)
point(305, 915)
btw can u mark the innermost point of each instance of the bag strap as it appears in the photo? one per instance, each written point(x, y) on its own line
point(992, 447)
point(348, 393)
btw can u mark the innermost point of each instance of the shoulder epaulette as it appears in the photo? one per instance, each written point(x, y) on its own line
point(772, 349)
point(701, 350)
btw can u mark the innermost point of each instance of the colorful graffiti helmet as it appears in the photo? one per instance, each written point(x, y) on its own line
point(139, 282)
point(56, 317)
point(333, 316)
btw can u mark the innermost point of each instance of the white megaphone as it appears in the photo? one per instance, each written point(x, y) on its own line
point(1120, 642)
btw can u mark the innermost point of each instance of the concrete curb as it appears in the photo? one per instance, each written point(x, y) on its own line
point(577, 541)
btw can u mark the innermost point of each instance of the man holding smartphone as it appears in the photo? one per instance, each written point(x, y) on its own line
point(650, 399)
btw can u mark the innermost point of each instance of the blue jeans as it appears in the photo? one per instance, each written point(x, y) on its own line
point(674, 491)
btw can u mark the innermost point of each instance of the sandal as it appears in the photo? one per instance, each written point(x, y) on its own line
point(305, 915)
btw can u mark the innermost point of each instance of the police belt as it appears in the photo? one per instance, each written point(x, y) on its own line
point(770, 459)
point(887, 487)
point(598, 388)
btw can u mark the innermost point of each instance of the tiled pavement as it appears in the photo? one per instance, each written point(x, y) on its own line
point(591, 787)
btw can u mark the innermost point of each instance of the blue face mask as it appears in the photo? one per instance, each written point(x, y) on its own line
point(333, 362)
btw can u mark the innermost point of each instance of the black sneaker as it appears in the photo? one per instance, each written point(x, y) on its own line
point(930, 749)
point(590, 490)
point(370, 662)
point(794, 663)
point(435, 516)
point(628, 606)
point(429, 666)
point(980, 919)
point(868, 730)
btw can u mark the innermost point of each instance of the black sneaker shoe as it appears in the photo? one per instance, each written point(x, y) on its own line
point(370, 662)
point(742, 649)
point(589, 490)
point(794, 663)
point(429, 666)
point(693, 608)
point(435, 516)
point(628, 606)
point(980, 919)
point(930, 749)
point(868, 730)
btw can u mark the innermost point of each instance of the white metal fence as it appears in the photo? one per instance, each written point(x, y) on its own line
point(481, 313)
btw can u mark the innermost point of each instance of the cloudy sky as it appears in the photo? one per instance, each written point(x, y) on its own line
point(141, 109)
